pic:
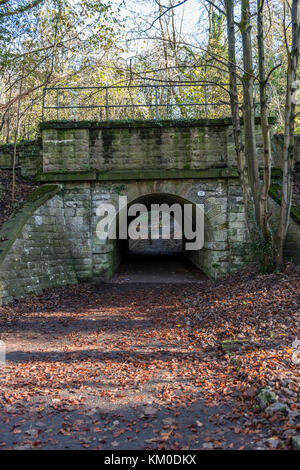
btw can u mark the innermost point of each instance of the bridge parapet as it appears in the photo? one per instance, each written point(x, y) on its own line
point(70, 146)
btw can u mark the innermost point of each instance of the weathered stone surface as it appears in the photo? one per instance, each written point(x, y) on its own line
point(292, 243)
point(277, 407)
point(266, 397)
point(193, 145)
point(277, 147)
point(35, 254)
point(172, 161)
point(296, 442)
point(66, 150)
point(62, 232)
point(28, 157)
point(274, 443)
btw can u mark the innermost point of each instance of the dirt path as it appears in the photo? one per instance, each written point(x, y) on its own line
point(166, 269)
point(142, 367)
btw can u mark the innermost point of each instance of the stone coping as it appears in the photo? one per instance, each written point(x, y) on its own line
point(128, 175)
point(22, 143)
point(135, 124)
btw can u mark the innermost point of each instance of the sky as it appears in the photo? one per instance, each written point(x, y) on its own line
point(139, 14)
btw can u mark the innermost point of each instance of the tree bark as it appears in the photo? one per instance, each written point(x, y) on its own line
point(235, 112)
point(288, 144)
point(248, 107)
point(13, 187)
point(264, 211)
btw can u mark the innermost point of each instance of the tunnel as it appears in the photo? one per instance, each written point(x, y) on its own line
point(155, 247)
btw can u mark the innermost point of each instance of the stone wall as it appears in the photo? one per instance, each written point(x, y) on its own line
point(143, 145)
point(35, 252)
point(277, 147)
point(53, 241)
point(28, 157)
point(227, 246)
point(292, 243)
point(226, 241)
point(60, 235)
point(139, 145)
point(66, 149)
point(77, 210)
point(239, 240)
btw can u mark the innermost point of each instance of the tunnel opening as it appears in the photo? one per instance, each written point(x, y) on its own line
point(155, 249)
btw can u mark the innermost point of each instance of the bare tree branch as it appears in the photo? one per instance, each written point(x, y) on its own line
point(20, 10)
point(164, 12)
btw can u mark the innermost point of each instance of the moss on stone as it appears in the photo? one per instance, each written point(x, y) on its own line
point(126, 175)
point(119, 188)
point(40, 192)
point(107, 139)
point(131, 123)
point(54, 176)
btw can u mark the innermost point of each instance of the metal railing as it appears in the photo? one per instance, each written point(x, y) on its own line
point(153, 101)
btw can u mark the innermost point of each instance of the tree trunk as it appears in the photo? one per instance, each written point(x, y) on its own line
point(264, 212)
point(248, 107)
point(288, 143)
point(236, 124)
point(255, 194)
point(13, 188)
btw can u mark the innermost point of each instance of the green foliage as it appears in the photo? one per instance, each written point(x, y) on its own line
point(50, 44)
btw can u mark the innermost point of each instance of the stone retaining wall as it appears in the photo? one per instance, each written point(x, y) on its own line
point(139, 145)
point(277, 148)
point(143, 145)
point(53, 241)
point(292, 243)
point(226, 243)
point(34, 249)
point(28, 158)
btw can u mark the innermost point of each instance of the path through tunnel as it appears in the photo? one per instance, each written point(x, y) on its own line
point(155, 250)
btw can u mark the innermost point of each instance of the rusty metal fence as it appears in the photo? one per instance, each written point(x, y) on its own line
point(176, 100)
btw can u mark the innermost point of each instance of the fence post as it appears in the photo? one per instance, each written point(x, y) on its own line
point(106, 103)
point(57, 104)
point(156, 103)
point(205, 101)
point(43, 105)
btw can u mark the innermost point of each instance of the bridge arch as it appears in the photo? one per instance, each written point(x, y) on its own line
point(169, 192)
point(178, 210)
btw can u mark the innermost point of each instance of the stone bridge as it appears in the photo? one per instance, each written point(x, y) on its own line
point(52, 240)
